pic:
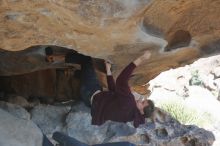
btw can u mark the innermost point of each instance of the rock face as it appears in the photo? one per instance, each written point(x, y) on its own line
point(46, 85)
point(114, 30)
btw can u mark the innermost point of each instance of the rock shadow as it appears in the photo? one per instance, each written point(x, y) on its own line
point(180, 38)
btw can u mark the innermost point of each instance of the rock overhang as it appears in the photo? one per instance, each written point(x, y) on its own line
point(115, 30)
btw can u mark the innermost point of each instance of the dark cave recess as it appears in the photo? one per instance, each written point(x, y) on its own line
point(26, 73)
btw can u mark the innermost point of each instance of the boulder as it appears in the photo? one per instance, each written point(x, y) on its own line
point(78, 125)
point(15, 110)
point(161, 130)
point(49, 118)
point(19, 132)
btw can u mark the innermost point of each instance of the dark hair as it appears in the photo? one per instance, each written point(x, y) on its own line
point(148, 110)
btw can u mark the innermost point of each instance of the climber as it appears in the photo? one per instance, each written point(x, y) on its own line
point(118, 103)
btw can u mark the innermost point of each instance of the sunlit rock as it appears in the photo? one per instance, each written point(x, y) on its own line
point(200, 100)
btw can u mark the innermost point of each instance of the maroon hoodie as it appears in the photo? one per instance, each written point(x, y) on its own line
point(118, 104)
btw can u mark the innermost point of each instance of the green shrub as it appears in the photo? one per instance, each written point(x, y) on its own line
point(195, 79)
point(184, 114)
